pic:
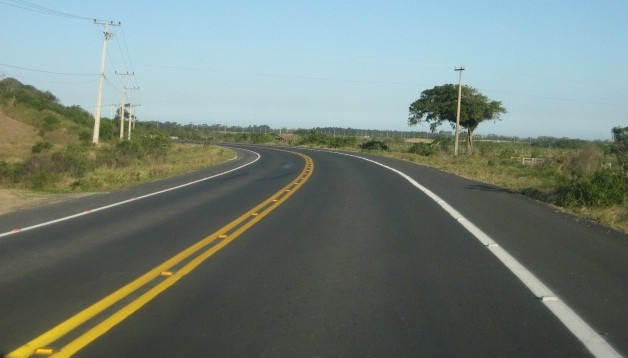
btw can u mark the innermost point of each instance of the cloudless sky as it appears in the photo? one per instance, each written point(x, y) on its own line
point(559, 67)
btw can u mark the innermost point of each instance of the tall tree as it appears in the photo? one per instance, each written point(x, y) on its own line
point(441, 102)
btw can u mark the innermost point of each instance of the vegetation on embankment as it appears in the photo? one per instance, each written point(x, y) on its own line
point(47, 147)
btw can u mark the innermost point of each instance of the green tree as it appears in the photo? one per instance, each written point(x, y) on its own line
point(620, 147)
point(441, 102)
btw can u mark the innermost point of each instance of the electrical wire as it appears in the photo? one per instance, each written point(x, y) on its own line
point(25, 5)
point(113, 87)
point(49, 72)
point(128, 54)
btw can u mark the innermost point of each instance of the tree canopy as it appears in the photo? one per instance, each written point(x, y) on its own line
point(620, 147)
point(441, 102)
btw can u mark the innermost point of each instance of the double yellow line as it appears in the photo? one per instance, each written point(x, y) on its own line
point(168, 272)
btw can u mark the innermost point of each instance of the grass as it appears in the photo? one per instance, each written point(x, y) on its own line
point(181, 159)
point(538, 181)
point(16, 139)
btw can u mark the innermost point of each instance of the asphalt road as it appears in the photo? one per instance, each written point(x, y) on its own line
point(356, 262)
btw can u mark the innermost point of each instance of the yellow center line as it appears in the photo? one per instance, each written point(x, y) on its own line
point(241, 224)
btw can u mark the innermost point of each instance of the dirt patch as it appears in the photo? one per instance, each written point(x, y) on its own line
point(13, 199)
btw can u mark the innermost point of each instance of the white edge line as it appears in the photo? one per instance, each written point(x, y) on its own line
point(90, 211)
point(576, 325)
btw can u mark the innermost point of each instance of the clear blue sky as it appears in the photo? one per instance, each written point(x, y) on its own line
point(559, 67)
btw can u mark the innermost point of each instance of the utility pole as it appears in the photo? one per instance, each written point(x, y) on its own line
point(122, 100)
point(134, 116)
point(460, 69)
point(131, 110)
point(101, 79)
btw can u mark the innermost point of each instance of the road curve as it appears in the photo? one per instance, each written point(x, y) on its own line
point(357, 262)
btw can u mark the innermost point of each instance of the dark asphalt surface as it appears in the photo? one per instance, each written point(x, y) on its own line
point(357, 263)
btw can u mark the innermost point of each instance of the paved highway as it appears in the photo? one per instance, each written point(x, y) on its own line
point(277, 253)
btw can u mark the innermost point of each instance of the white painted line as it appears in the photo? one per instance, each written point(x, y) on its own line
point(90, 211)
point(576, 325)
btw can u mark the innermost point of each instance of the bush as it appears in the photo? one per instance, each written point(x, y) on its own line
point(507, 153)
point(42, 180)
point(107, 129)
point(50, 124)
point(619, 148)
point(126, 151)
point(586, 161)
point(41, 146)
point(11, 172)
point(85, 136)
point(422, 149)
point(73, 160)
point(602, 188)
point(340, 142)
point(155, 144)
point(314, 138)
point(374, 145)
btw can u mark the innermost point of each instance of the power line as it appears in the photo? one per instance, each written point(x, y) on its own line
point(48, 72)
point(126, 66)
point(25, 5)
point(128, 54)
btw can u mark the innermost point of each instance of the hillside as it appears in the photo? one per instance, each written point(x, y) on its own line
point(29, 116)
point(16, 139)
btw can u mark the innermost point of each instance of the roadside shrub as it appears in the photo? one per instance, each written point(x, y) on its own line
point(154, 144)
point(72, 161)
point(313, 138)
point(444, 144)
point(602, 188)
point(76, 160)
point(241, 137)
point(374, 145)
point(507, 153)
point(486, 149)
point(42, 180)
point(85, 136)
point(107, 129)
point(11, 172)
point(41, 146)
point(586, 161)
point(126, 151)
point(423, 149)
point(340, 142)
point(49, 124)
point(619, 148)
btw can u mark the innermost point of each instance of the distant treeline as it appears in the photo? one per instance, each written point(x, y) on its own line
point(204, 131)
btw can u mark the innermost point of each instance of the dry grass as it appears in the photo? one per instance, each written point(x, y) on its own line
point(15, 199)
point(183, 158)
point(16, 139)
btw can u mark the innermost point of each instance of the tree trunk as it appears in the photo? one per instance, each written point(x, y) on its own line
point(470, 141)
